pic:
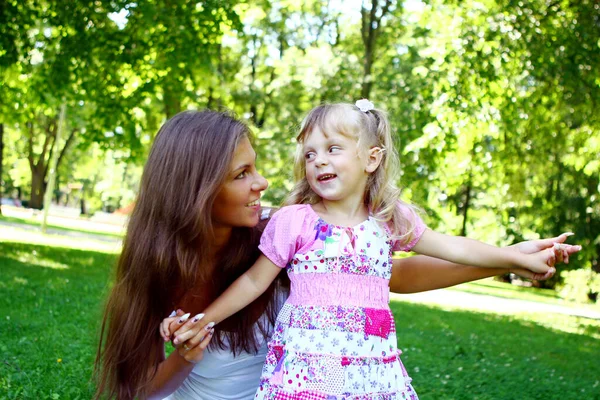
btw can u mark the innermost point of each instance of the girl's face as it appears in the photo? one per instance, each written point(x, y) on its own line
point(334, 169)
point(238, 202)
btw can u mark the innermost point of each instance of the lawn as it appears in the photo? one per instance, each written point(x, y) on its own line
point(75, 226)
point(50, 311)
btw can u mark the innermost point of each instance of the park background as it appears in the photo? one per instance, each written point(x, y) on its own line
point(494, 107)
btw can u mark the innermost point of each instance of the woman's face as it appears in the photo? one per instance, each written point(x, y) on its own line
point(238, 202)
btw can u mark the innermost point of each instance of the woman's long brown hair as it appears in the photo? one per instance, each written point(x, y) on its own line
point(165, 261)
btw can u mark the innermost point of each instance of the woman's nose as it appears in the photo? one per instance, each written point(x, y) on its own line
point(260, 183)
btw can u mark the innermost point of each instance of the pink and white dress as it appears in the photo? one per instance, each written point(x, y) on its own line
point(334, 338)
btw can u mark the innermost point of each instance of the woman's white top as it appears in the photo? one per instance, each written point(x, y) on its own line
point(221, 376)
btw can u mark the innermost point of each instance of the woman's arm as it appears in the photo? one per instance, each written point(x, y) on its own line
point(172, 372)
point(170, 375)
point(422, 273)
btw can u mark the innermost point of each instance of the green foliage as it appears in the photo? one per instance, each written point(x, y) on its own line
point(493, 103)
point(580, 285)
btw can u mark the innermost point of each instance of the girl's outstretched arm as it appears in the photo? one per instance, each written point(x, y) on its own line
point(242, 292)
point(422, 273)
point(467, 251)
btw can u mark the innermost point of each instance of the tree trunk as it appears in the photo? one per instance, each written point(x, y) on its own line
point(370, 30)
point(52, 166)
point(1, 153)
point(38, 187)
point(39, 167)
point(172, 90)
point(465, 210)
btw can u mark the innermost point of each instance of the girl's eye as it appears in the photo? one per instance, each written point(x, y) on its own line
point(242, 175)
point(309, 156)
point(333, 149)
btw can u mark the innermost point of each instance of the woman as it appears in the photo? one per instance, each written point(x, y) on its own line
point(194, 230)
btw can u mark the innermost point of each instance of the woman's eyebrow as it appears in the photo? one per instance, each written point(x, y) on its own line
point(241, 167)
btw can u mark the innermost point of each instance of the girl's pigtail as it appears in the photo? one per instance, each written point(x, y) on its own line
point(383, 195)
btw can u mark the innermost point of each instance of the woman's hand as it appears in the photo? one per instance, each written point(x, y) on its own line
point(190, 333)
point(560, 254)
point(191, 350)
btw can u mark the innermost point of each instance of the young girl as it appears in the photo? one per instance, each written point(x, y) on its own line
point(335, 337)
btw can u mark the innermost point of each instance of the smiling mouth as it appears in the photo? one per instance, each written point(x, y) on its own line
point(326, 177)
point(254, 203)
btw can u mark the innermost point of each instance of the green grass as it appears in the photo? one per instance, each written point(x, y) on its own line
point(59, 227)
point(454, 354)
point(50, 311)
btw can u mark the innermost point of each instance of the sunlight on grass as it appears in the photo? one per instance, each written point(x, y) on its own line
point(33, 259)
point(13, 234)
point(76, 225)
point(563, 323)
point(492, 287)
point(552, 321)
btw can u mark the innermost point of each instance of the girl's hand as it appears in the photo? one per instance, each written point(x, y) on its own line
point(164, 329)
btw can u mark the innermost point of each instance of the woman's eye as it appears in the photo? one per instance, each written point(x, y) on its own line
point(242, 175)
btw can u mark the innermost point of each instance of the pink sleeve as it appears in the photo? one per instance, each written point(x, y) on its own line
point(281, 238)
point(411, 219)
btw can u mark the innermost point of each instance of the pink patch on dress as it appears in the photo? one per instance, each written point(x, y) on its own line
point(278, 351)
point(390, 359)
point(345, 361)
point(378, 322)
point(277, 377)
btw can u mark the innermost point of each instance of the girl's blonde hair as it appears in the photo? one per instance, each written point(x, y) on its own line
point(370, 129)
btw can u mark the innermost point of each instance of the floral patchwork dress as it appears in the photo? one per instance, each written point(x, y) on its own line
point(334, 337)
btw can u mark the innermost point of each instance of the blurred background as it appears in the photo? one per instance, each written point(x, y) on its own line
point(494, 104)
point(495, 111)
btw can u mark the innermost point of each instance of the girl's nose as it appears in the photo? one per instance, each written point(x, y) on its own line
point(260, 183)
point(320, 160)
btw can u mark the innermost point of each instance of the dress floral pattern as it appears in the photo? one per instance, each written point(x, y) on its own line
point(335, 337)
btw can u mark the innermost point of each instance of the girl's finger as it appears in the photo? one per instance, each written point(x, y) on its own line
point(162, 326)
point(547, 275)
point(558, 252)
point(550, 258)
point(570, 249)
point(165, 327)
